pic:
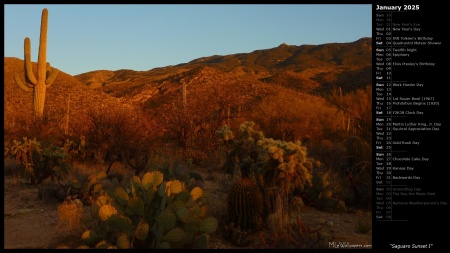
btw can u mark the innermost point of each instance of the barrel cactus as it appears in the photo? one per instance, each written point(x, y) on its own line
point(245, 210)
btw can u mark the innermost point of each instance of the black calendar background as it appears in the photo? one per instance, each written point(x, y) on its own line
point(416, 225)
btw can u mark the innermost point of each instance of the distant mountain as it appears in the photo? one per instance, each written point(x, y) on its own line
point(309, 68)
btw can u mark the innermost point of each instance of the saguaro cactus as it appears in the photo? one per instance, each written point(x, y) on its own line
point(184, 95)
point(66, 125)
point(44, 76)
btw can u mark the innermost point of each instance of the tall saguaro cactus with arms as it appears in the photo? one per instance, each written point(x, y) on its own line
point(37, 84)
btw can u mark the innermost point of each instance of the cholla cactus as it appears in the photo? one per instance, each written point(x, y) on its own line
point(284, 165)
point(269, 168)
point(225, 134)
point(41, 162)
point(275, 163)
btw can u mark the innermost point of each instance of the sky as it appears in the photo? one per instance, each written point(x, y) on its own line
point(87, 37)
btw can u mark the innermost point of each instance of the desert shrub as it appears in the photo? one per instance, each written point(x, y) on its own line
point(356, 110)
point(11, 167)
point(358, 171)
point(219, 99)
point(103, 133)
point(333, 154)
point(284, 233)
point(120, 135)
point(41, 161)
point(289, 116)
point(70, 213)
point(364, 222)
point(75, 147)
point(46, 129)
point(325, 190)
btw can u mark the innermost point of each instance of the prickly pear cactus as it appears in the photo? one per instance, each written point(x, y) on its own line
point(123, 242)
point(89, 237)
point(182, 173)
point(149, 213)
point(208, 225)
point(106, 211)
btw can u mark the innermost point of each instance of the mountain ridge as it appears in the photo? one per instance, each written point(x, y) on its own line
point(354, 58)
point(307, 69)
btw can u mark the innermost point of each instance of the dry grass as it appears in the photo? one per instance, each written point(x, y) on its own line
point(70, 213)
point(278, 221)
point(364, 222)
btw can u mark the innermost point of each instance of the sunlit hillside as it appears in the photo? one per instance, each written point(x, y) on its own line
point(258, 150)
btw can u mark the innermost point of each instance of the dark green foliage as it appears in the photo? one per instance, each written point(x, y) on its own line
point(358, 170)
point(41, 161)
point(321, 191)
point(52, 163)
point(76, 148)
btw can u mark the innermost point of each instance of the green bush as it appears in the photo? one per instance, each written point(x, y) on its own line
point(41, 161)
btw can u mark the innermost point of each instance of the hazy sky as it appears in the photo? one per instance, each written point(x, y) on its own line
point(83, 38)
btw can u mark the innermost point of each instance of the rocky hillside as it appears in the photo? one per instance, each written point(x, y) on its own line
point(242, 80)
point(18, 104)
point(308, 68)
